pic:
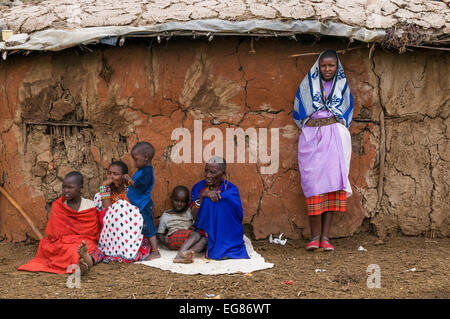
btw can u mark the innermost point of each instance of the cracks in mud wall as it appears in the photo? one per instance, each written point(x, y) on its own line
point(54, 148)
point(265, 183)
point(411, 188)
point(381, 156)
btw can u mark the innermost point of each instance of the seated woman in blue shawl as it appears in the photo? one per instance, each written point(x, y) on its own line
point(217, 210)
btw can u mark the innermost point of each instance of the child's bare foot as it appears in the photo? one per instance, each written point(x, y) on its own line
point(84, 268)
point(190, 254)
point(85, 261)
point(184, 257)
point(153, 255)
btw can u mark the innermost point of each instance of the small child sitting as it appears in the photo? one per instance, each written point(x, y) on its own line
point(176, 224)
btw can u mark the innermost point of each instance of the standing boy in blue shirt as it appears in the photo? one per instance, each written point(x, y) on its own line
point(139, 192)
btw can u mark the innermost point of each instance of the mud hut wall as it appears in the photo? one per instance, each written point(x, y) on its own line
point(414, 92)
point(114, 97)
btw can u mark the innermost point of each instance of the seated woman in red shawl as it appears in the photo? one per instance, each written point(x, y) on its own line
point(217, 210)
point(121, 237)
point(73, 220)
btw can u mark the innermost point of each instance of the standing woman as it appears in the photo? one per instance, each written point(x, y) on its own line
point(323, 110)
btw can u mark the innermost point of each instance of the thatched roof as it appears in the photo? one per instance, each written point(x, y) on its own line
point(400, 22)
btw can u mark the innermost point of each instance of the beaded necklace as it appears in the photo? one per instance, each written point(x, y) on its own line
point(204, 187)
point(116, 196)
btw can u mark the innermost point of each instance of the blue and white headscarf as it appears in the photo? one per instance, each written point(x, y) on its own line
point(309, 97)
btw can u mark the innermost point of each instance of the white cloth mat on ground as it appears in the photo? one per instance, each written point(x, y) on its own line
point(204, 266)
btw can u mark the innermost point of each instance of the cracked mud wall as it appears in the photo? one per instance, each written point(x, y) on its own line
point(415, 96)
point(80, 110)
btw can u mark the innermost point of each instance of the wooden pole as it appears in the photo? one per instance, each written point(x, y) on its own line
point(21, 211)
point(382, 159)
point(337, 51)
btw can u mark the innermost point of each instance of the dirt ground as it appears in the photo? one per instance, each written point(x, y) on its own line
point(345, 274)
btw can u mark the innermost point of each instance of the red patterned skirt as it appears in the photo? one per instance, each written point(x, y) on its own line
point(176, 239)
point(144, 250)
point(328, 202)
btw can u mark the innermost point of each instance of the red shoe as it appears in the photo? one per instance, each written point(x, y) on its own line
point(325, 244)
point(313, 244)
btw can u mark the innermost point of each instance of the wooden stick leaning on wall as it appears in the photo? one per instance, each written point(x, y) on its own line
point(382, 160)
point(22, 212)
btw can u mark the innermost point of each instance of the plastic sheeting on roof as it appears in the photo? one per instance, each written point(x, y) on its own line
point(57, 39)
